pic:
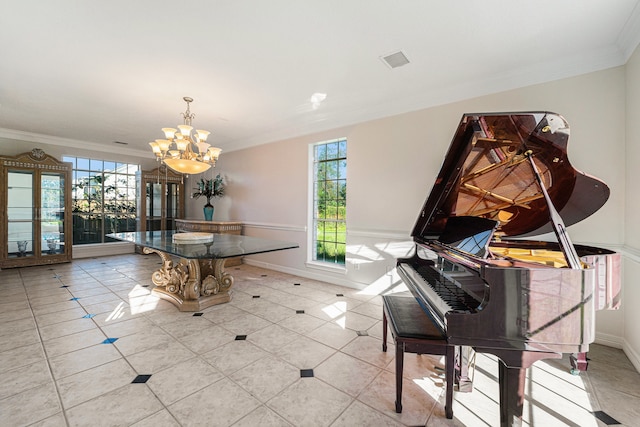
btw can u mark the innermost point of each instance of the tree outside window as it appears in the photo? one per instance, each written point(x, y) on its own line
point(103, 199)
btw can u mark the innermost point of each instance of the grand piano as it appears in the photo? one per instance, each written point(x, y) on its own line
point(475, 269)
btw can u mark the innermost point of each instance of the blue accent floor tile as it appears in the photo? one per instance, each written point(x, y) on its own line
point(74, 299)
point(109, 340)
point(88, 316)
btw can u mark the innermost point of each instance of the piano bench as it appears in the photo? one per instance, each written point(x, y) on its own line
point(414, 331)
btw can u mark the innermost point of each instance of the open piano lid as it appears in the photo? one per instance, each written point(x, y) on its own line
point(487, 174)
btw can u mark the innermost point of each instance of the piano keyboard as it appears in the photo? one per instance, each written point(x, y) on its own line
point(448, 290)
point(442, 293)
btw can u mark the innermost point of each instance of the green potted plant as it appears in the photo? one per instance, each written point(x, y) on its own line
point(210, 189)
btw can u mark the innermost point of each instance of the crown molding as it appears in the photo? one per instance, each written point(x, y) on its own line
point(539, 73)
point(629, 36)
point(18, 135)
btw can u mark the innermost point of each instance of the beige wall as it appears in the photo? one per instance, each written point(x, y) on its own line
point(392, 163)
point(631, 331)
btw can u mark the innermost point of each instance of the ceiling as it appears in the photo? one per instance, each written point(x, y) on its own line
point(88, 73)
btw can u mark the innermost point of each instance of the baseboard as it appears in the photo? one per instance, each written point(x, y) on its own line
point(634, 357)
point(90, 251)
point(307, 274)
point(609, 340)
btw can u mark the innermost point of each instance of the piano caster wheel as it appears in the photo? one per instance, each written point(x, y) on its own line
point(398, 408)
point(575, 371)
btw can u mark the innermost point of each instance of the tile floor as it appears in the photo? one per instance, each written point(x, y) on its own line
point(85, 344)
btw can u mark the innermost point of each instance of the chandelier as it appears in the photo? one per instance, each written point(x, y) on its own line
point(184, 151)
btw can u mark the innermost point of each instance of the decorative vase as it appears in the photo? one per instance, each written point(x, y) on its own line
point(22, 247)
point(208, 212)
point(52, 245)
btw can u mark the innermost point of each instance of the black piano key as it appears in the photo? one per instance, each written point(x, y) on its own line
point(450, 293)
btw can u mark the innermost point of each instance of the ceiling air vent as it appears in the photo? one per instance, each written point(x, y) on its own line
point(395, 60)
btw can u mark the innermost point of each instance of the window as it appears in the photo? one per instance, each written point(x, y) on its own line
point(103, 199)
point(330, 201)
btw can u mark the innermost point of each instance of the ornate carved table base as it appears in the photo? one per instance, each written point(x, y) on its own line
point(191, 284)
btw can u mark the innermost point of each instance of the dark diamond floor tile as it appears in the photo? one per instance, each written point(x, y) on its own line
point(306, 373)
point(241, 337)
point(197, 314)
point(606, 418)
point(141, 379)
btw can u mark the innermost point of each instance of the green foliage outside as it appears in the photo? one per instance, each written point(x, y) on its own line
point(331, 241)
point(99, 201)
point(330, 201)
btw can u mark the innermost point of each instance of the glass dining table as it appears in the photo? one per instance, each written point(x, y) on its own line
point(192, 275)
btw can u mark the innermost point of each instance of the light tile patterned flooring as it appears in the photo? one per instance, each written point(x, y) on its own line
point(74, 336)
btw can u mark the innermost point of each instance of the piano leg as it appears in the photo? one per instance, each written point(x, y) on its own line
point(399, 363)
point(512, 370)
point(399, 368)
point(579, 362)
point(465, 364)
point(511, 394)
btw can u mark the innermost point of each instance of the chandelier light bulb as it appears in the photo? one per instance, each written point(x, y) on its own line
point(169, 133)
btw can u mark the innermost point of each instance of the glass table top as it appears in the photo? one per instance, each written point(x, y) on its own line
point(223, 245)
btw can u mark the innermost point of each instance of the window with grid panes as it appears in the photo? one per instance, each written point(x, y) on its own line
point(330, 201)
point(103, 199)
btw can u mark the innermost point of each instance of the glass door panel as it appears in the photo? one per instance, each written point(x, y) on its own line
point(162, 199)
point(172, 205)
point(20, 239)
point(154, 207)
point(20, 196)
point(52, 213)
point(20, 213)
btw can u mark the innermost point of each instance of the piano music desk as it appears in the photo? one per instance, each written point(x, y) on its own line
point(414, 332)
